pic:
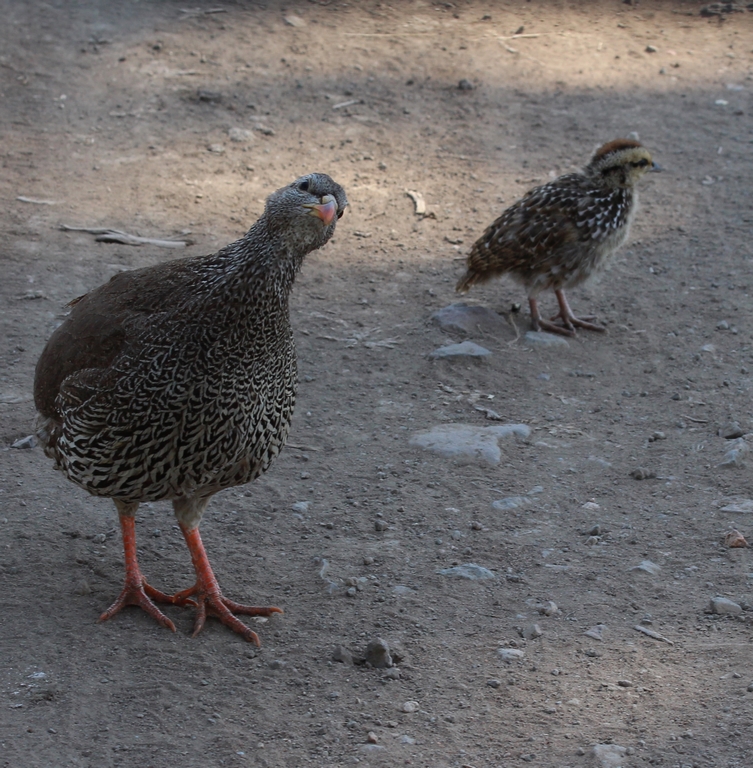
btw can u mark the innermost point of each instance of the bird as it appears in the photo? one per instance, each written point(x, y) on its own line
point(176, 381)
point(563, 232)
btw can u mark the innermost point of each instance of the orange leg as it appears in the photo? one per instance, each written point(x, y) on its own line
point(539, 324)
point(570, 320)
point(136, 591)
point(208, 598)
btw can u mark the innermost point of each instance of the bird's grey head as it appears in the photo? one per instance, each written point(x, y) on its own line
point(304, 214)
point(621, 163)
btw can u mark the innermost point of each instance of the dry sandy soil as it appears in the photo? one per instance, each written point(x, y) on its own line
point(168, 120)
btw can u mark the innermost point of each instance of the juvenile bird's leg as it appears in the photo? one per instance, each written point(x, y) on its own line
point(539, 324)
point(206, 594)
point(569, 319)
point(136, 591)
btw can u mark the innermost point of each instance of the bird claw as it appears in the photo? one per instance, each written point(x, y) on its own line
point(141, 594)
point(212, 603)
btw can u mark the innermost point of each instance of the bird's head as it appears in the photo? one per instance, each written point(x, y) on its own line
point(304, 214)
point(620, 163)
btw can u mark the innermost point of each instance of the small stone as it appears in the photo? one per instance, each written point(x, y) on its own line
point(277, 664)
point(609, 755)
point(731, 430)
point(294, 21)
point(735, 540)
point(593, 540)
point(378, 654)
point(393, 673)
point(465, 85)
point(733, 459)
point(25, 443)
point(371, 737)
point(739, 507)
point(469, 319)
point(651, 49)
point(657, 435)
point(543, 339)
point(469, 571)
point(301, 507)
point(494, 683)
point(405, 739)
point(597, 632)
point(368, 560)
point(624, 684)
point(643, 474)
point(531, 632)
point(646, 566)
point(508, 655)
point(595, 530)
point(466, 349)
point(476, 526)
point(351, 592)
point(380, 525)
point(548, 608)
point(342, 655)
point(750, 688)
point(240, 135)
point(722, 325)
point(467, 443)
point(510, 502)
point(724, 607)
point(410, 707)
point(217, 149)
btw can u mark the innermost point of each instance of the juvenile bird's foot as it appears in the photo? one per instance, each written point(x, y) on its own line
point(208, 598)
point(136, 591)
point(569, 320)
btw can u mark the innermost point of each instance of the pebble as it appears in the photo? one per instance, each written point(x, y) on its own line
point(643, 474)
point(508, 655)
point(750, 688)
point(597, 632)
point(595, 530)
point(301, 507)
point(368, 560)
point(745, 506)
point(469, 571)
point(405, 739)
point(724, 607)
point(25, 443)
point(730, 431)
point(240, 135)
point(466, 349)
point(380, 525)
point(548, 608)
point(217, 149)
point(342, 654)
point(657, 435)
point(543, 339)
point(733, 459)
point(410, 707)
point(511, 502)
point(465, 85)
point(402, 591)
point(378, 654)
point(469, 319)
point(735, 540)
point(494, 683)
point(294, 21)
point(393, 673)
point(646, 566)
point(371, 737)
point(466, 443)
point(609, 755)
point(531, 632)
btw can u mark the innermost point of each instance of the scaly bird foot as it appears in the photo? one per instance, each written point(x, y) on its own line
point(210, 602)
point(138, 592)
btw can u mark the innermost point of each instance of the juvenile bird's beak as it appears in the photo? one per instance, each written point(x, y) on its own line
point(655, 168)
point(326, 210)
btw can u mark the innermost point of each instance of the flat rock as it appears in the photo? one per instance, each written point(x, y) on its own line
point(734, 458)
point(743, 507)
point(25, 443)
point(467, 443)
point(509, 655)
point(646, 566)
point(609, 755)
point(543, 339)
point(469, 571)
point(465, 349)
point(465, 318)
point(511, 502)
point(724, 607)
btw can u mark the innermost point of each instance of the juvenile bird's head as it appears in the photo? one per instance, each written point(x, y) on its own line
point(620, 164)
point(304, 214)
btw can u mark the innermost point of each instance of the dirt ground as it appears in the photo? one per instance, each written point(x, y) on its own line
point(168, 120)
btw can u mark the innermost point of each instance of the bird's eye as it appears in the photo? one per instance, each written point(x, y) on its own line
point(640, 164)
point(304, 186)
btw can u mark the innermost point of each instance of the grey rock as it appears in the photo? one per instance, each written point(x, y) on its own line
point(733, 459)
point(724, 607)
point(378, 654)
point(743, 507)
point(465, 85)
point(531, 632)
point(543, 339)
point(380, 525)
point(240, 135)
point(301, 507)
point(508, 655)
point(549, 608)
point(403, 591)
point(466, 349)
point(468, 319)
point(641, 473)
point(25, 443)
point(646, 566)
point(342, 654)
point(511, 502)
point(731, 430)
point(466, 443)
point(469, 571)
point(609, 755)
point(597, 632)
point(494, 683)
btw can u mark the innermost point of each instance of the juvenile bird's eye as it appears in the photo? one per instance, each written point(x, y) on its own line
point(640, 164)
point(304, 186)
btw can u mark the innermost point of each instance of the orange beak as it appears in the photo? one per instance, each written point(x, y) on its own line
point(326, 210)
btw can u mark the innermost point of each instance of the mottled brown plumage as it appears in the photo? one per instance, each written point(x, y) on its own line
point(178, 380)
point(561, 233)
